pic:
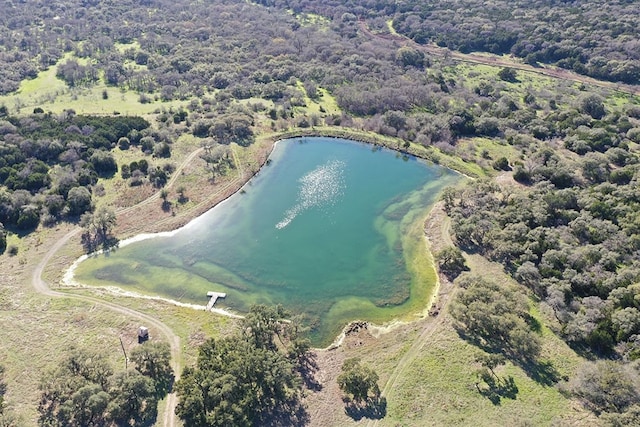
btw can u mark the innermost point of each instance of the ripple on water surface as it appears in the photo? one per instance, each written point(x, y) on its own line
point(331, 229)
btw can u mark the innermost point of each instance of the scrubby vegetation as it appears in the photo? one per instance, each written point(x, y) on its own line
point(85, 390)
point(566, 228)
point(50, 164)
point(249, 378)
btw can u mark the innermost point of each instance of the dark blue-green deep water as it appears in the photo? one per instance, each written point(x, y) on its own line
point(331, 229)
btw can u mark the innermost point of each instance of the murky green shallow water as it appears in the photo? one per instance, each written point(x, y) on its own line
point(331, 229)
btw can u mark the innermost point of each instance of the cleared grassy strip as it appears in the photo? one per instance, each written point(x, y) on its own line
point(438, 386)
point(48, 92)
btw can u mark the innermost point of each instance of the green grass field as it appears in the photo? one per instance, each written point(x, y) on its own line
point(48, 92)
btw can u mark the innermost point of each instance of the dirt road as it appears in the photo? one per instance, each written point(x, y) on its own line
point(437, 230)
point(42, 287)
point(498, 61)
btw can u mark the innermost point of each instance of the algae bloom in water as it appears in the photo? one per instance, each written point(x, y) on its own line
point(331, 229)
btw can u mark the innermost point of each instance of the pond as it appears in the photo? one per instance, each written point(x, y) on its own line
point(331, 229)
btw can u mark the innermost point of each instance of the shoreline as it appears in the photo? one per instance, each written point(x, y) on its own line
point(376, 330)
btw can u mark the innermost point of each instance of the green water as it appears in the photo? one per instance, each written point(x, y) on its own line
point(331, 229)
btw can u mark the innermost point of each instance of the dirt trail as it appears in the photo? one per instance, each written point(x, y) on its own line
point(498, 61)
point(155, 196)
point(42, 287)
point(445, 293)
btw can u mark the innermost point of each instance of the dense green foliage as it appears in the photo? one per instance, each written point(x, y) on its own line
point(85, 391)
point(451, 262)
point(496, 318)
point(574, 245)
point(358, 381)
point(593, 38)
point(153, 360)
point(50, 163)
point(247, 379)
point(98, 227)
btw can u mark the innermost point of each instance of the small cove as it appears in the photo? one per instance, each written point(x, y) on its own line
point(331, 229)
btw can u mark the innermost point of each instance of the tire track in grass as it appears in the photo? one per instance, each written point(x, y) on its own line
point(42, 287)
point(431, 325)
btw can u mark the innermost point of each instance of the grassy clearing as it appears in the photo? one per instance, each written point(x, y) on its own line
point(310, 18)
point(473, 74)
point(484, 151)
point(48, 328)
point(123, 47)
point(544, 88)
point(52, 94)
point(192, 326)
point(619, 99)
point(438, 387)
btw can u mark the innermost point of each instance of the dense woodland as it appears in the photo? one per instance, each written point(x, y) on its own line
point(595, 38)
point(567, 229)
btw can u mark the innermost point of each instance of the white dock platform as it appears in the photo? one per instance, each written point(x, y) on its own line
point(213, 297)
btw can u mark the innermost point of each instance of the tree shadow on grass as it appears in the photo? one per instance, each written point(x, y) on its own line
point(291, 413)
point(498, 389)
point(374, 408)
point(542, 372)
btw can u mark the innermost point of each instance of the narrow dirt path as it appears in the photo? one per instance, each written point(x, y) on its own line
point(42, 287)
point(445, 293)
point(155, 196)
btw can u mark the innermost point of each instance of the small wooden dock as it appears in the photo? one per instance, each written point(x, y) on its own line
point(213, 297)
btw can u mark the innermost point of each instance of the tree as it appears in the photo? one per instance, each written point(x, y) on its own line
point(495, 317)
point(218, 159)
point(85, 407)
point(84, 391)
point(245, 379)
point(124, 143)
point(153, 360)
point(508, 74)
point(592, 105)
point(451, 262)
point(360, 381)
point(182, 197)
point(98, 227)
point(606, 385)
point(235, 383)
point(409, 56)
point(166, 204)
point(103, 163)
point(501, 164)
point(79, 200)
point(29, 217)
point(262, 324)
point(133, 399)
point(3, 239)
point(66, 391)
